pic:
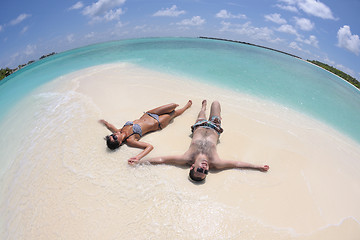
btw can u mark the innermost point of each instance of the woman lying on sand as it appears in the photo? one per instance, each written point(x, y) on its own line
point(132, 131)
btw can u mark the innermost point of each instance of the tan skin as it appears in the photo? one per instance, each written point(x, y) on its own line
point(148, 124)
point(202, 152)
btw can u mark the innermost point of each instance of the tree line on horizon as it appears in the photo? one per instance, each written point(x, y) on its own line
point(337, 72)
point(4, 72)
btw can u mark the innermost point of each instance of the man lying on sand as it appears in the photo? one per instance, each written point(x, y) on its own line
point(202, 154)
point(150, 121)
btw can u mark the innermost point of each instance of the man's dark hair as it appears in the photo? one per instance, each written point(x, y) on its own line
point(196, 179)
point(112, 144)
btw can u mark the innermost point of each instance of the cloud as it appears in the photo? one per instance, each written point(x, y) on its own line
point(20, 18)
point(311, 7)
point(311, 41)
point(246, 29)
point(70, 38)
point(101, 7)
point(76, 6)
point(169, 12)
point(90, 35)
point(225, 14)
point(194, 21)
point(347, 40)
point(315, 8)
point(120, 24)
point(304, 24)
point(294, 45)
point(290, 2)
point(24, 30)
point(30, 49)
point(113, 15)
point(1, 28)
point(276, 18)
point(141, 27)
point(286, 28)
point(287, 8)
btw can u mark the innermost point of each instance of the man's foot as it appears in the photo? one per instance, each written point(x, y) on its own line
point(203, 105)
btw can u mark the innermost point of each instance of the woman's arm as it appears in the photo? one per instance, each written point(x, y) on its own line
point(109, 126)
point(143, 145)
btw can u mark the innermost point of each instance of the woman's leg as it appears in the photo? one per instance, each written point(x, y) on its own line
point(180, 111)
point(168, 108)
point(166, 118)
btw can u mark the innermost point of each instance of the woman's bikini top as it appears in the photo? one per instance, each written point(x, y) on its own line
point(136, 129)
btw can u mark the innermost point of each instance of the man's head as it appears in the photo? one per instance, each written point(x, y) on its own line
point(199, 170)
point(113, 141)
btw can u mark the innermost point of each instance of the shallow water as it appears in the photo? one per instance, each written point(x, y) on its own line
point(59, 181)
point(247, 69)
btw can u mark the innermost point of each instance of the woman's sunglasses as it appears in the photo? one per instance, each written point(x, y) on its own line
point(113, 136)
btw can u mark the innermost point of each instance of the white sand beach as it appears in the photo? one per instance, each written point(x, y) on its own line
point(65, 184)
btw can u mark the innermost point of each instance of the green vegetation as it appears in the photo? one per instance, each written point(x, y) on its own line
point(337, 72)
point(4, 72)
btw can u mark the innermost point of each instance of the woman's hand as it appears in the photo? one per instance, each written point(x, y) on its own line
point(133, 160)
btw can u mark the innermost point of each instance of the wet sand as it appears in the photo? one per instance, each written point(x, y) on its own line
point(77, 189)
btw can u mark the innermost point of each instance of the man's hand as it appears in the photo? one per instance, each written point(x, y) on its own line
point(264, 168)
point(102, 121)
point(133, 161)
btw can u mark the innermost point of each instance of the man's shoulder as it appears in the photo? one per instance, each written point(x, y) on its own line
point(188, 157)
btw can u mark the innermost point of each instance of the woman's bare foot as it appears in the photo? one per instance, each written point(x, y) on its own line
point(182, 110)
point(188, 104)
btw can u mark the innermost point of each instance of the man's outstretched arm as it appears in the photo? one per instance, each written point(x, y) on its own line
point(229, 164)
point(171, 160)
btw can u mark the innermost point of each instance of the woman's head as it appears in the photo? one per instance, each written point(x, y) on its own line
point(113, 141)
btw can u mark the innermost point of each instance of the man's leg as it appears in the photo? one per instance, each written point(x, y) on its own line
point(202, 114)
point(215, 112)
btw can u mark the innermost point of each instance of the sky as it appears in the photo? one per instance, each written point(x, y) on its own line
point(327, 30)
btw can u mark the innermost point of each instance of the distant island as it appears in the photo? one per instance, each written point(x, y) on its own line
point(337, 72)
point(251, 44)
point(4, 72)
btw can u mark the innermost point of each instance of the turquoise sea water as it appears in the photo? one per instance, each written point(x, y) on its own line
point(247, 69)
